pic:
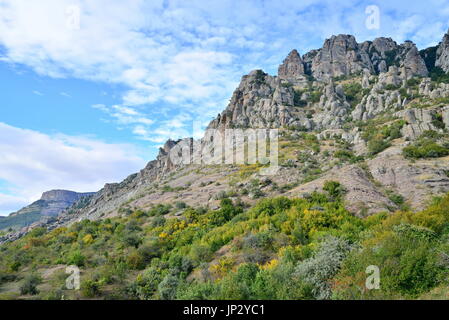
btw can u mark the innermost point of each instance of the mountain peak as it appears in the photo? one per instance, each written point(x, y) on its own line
point(292, 67)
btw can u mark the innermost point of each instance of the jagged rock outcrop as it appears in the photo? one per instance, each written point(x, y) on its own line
point(113, 195)
point(341, 55)
point(338, 56)
point(354, 137)
point(409, 58)
point(445, 116)
point(375, 103)
point(433, 91)
point(260, 101)
point(442, 56)
point(417, 121)
point(292, 68)
point(64, 198)
point(333, 106)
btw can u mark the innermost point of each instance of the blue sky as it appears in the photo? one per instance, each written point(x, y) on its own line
point(91, 88)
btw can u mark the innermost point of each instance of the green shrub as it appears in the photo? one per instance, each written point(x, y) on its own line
point(90, 288)
point(323, 266)
point(377, 145)
point(180, 205)
point(132, 240)
point(353, 92)
point(438, 75)
point(168, 287)
point(76, 258)
point(334, 189)
point(160, 210)
point(29, 285)
point(146, 284)
point(425, 148)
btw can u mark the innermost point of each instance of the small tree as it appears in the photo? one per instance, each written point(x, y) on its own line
point(334, 189)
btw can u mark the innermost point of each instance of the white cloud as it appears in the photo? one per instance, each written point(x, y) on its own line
point(124, 115)
point(32, 162)
point(65, 94)
point(189, 55)
point(130, 43)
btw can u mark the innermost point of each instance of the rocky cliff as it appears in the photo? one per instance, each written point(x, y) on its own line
point(442, 54)
point(346, 112)
point(341, 55)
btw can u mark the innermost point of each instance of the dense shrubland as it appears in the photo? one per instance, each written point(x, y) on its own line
point(281, 248)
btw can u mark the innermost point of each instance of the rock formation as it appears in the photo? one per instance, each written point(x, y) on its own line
point(292, 68)
point(342, 56)
point(442, 56)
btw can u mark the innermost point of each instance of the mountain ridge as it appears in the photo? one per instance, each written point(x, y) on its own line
point(325, 92)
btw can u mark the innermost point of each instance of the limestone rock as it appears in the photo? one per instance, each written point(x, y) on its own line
point(338, 56)
point(445, 114)
point(260, 101)
point(418, 121)
point(341, 56)
point(292, 68)
point(442, 59)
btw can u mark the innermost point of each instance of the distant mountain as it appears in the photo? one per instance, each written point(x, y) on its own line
point(50, 204)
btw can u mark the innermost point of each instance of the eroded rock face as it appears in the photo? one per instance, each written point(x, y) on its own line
point(113, 195)
point(442, 60)
point(362, 196)
point(445, 114)
point(333, 108)
point(260, 101)
point(341, 56)
point(417, 121)
point(292, 68)
point(416, 182)
point(412, 61)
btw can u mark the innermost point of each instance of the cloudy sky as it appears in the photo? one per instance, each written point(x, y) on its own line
point(91, 88)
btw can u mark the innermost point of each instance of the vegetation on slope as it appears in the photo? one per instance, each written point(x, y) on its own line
point(281, 248)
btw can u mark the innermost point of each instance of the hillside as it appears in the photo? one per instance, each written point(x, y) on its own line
point(363, 179)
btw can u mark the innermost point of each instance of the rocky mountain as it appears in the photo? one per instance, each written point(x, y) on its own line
point(342, 56)
point(442, 54)
point(51, 204)
point(372, 116)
